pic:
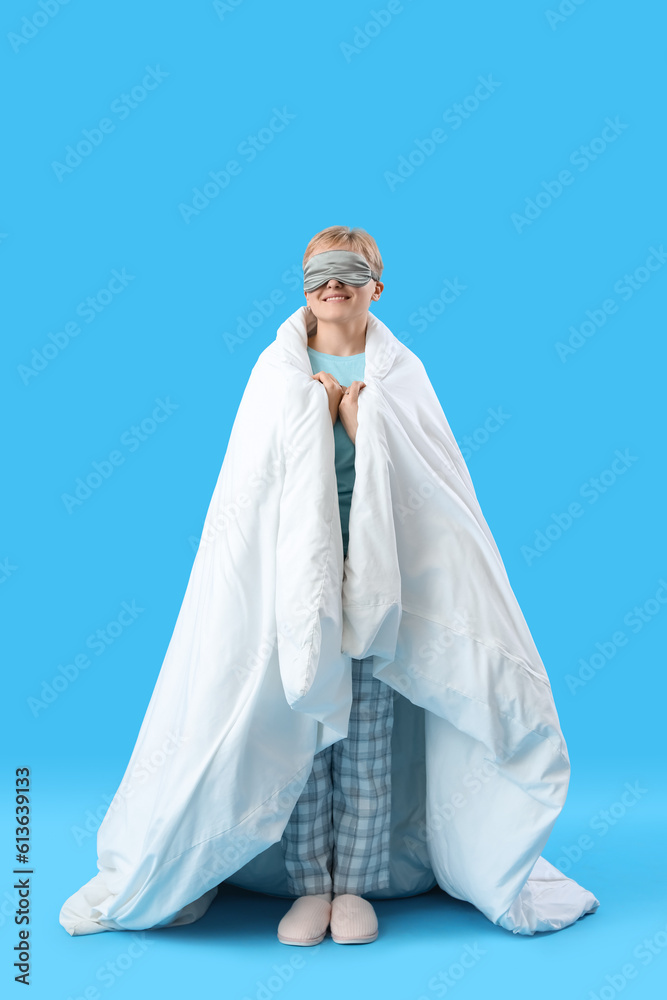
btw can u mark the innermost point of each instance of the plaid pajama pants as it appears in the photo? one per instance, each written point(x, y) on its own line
point(337, 837)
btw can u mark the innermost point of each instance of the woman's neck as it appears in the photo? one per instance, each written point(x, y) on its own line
point(341, 339)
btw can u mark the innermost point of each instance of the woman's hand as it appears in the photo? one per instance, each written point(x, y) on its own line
point(348, 408)
point(334, 391)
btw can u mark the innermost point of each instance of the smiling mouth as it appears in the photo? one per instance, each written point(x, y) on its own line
point(336, 298)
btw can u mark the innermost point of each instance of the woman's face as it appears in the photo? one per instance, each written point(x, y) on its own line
point(334, 300)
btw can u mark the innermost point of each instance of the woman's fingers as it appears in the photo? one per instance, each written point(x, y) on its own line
point(343, 396)
point(334, 392)
point(326, 379)
point(353, 391)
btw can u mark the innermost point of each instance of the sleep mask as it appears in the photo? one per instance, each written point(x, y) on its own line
point(346, 265)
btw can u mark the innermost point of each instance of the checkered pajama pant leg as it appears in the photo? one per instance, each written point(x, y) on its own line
point(337, 837)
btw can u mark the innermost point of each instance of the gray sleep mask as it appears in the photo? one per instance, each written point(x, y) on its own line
point(346, 265)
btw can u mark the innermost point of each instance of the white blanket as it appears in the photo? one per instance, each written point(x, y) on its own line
point(257, 676)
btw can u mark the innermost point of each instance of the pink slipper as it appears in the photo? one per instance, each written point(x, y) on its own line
point(306, 921)
point(353, 920)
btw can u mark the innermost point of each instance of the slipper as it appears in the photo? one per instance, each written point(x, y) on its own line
point(353, 920)
point(306, 921)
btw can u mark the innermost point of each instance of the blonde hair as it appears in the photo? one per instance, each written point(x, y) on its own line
point(345, 238)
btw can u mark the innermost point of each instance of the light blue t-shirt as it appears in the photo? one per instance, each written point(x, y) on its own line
point(346, 370)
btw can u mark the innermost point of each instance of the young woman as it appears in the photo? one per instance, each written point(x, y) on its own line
point(351, 703)
point(336, 842)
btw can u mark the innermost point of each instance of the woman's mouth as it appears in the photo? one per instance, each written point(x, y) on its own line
point(336, 298)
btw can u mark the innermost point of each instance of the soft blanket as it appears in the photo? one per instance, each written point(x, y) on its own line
point(257, 675)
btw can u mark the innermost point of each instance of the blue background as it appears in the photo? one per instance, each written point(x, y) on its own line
point(171, 333)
